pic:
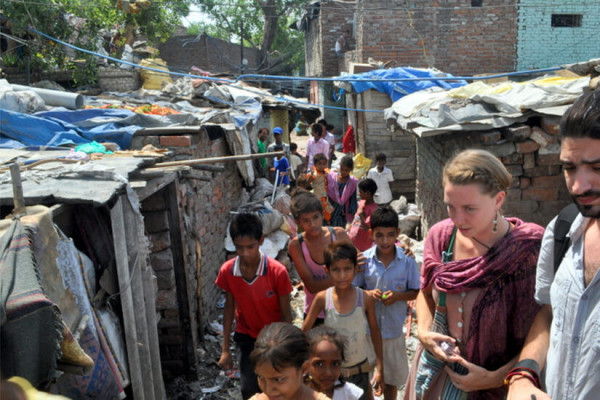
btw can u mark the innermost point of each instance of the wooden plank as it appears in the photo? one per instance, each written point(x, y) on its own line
point(169, 130)
point(150, 300)
point(211, 160)
point(185, 288)
point(137, 268)
point(129, 321)
point(155, 185)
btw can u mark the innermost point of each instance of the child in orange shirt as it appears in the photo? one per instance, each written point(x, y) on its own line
point(318, 180)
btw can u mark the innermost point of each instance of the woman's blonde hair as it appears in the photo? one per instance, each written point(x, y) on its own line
point(477, 166)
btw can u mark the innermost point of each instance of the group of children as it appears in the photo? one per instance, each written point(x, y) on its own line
point(355, 304)
point(283, 169)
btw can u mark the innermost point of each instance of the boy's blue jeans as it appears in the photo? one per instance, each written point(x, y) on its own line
point(248, 380)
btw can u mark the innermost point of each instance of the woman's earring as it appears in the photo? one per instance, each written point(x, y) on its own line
point(495, 228)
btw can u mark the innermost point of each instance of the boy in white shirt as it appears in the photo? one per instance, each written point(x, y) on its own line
point(382, 176)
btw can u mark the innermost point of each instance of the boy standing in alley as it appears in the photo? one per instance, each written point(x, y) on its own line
point(391, 278)
point(382, 177)
point(257, 292)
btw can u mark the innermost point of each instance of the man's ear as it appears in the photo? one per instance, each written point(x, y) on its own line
point(261, 240)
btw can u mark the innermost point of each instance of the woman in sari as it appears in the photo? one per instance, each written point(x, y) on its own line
point(341, 189)
point(483, 265)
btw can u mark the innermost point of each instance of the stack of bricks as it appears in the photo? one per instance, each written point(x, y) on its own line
point(203, 213)
point(529, 152)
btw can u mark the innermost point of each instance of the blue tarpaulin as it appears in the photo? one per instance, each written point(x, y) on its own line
point(396, 90)
point(60, 127)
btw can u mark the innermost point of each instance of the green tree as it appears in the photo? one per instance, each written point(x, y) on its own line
point(262, 24)
point(80, 22)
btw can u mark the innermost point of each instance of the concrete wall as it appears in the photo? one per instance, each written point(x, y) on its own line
point(529, 152)
point(205, 52)
point(539, 45)
point(186, 227)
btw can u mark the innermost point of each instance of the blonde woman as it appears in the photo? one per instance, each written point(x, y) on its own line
point(483, 264)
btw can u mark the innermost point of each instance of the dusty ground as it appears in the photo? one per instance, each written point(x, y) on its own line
point(213, 384)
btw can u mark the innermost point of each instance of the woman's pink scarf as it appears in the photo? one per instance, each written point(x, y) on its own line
point(333, 190)
point(505, 308)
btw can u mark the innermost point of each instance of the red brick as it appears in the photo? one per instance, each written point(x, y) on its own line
point(534, 193)
point(517, 133)
point(176, 141)
point(549, 155)
point(548, 182)
point(528, 160)
point(550, 125)
point(540, 137)
point(524, 182)
point(528, 146)
point(521, 208)
point(490, 137)
point(513, 195)
point(542, 170)
point(514, 158)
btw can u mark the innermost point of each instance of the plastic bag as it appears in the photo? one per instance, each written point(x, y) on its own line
point(362, 165)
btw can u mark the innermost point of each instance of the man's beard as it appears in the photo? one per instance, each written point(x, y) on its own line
point(590, 211)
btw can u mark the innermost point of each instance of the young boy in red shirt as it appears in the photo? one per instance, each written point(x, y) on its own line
point(258, 293)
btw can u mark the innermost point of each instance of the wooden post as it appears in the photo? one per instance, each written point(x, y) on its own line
point(18, 199)
point(212, 160)
point(125, 291)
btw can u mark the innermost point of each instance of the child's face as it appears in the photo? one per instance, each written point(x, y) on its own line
point(311, 222)
point(325, 365)
point(381, 164)
point(385, 239)
point(365, 195)
point(315, 134)
point(345, 171)
point(262, 135)
point(321, 165)
point(342, 273)
point(248, 249)
point(280, 385)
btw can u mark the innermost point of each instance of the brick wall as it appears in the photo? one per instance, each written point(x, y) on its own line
point(334, 18)
point(191, 255)
point(540, 45)
point(205, 52)
point(372, 137)
point(530, 153)
point(450, 35)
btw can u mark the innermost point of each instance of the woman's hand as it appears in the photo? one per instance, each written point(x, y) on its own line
point(521, 388)
point(432, 341)
point(477, 378)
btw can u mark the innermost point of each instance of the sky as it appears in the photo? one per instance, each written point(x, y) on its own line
point(195, 16)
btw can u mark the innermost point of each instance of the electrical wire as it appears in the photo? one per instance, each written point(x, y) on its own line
point(351, 6)
point(246, 77)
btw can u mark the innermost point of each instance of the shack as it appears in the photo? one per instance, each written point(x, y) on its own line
point(149, 221)
point(518, 122)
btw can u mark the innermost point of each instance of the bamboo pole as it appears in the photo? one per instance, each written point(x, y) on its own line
point(18, 198)
point(212, 160)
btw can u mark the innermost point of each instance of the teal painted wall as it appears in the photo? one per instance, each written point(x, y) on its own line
point(539, 45)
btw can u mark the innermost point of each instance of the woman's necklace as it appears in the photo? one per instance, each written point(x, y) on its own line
point(480, 242)
point(485, 245)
